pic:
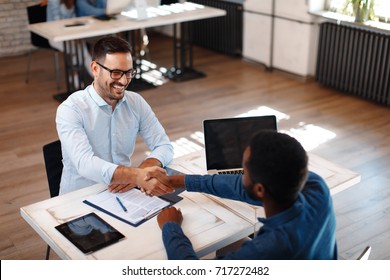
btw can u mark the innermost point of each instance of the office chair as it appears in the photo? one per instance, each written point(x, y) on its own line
point(35, 14)
point(365, 254)
point(52, 156)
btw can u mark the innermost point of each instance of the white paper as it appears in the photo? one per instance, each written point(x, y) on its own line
point(139, 206)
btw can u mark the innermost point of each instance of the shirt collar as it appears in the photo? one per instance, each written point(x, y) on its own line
point(99, 100)
point(287, 215)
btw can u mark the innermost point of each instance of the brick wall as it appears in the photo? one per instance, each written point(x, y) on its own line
point(14, 35)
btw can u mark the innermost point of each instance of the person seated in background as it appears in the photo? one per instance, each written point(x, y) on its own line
point(56, 10)
point(60, 9)
point(90, 7)
point(98, 128)
point(64, 9)
point(299, 218)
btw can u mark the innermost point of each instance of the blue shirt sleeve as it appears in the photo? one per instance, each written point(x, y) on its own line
point(225, 186)
point(177, 245)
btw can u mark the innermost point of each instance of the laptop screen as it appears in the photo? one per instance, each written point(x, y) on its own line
point(226, 139)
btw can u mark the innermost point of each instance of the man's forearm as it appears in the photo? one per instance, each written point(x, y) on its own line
point(176, 181)
point(125, 175)
point(150, 162)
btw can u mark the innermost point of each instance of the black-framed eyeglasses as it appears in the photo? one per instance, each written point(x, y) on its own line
point(117, 74)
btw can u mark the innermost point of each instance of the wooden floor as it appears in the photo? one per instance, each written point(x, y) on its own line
point(360, 131)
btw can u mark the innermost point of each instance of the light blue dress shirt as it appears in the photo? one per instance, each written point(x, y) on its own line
point(95, 139)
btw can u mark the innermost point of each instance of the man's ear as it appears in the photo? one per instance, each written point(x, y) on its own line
point(259, 191)
point(94, 67)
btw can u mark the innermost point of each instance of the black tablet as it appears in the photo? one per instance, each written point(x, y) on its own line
point(90, 233)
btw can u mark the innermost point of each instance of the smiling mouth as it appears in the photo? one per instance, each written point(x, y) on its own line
point(119, 87)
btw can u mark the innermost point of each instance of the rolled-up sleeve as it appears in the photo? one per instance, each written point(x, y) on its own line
point(154, 135)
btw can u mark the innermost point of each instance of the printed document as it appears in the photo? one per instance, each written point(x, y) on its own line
point(132, 206)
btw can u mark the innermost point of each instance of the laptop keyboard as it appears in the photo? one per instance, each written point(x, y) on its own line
point(231, 172)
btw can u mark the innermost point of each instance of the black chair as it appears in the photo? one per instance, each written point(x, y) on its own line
point(52, 156)
point(36, 14)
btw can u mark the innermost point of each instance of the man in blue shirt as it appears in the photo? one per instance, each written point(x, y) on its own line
point(300, 221)
point(91, 8)
point(98, 128)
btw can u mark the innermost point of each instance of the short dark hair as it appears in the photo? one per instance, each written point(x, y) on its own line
point(108, 45)
point(280, 163)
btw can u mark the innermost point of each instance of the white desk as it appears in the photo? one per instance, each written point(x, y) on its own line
point(337, 177)
point(210, 222)
point(178, 14)
point(208, 225)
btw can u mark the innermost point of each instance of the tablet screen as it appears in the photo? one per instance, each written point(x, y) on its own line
point(89, 233)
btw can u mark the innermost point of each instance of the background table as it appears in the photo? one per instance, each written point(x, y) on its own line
point(73, 35)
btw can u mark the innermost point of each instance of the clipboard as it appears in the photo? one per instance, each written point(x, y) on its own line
point(123, 206)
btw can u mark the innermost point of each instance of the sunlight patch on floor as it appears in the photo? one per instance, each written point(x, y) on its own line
point(309, 135)
point(264, 111)
point(184, 146)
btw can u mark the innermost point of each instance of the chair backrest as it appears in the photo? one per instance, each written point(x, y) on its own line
point(365, 254)
point(35, 14)
point(52, 156)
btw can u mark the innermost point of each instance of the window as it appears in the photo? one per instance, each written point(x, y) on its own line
point(381, 9)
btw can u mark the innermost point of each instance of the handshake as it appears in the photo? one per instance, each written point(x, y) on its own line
point(154, 181)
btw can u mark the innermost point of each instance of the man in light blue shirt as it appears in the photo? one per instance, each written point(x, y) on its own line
point(98, 127)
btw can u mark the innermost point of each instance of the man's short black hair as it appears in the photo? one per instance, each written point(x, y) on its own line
point(280, 163)
point(109, 45)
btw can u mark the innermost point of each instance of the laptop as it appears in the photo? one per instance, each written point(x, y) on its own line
point(114, 7)
point(226, 139)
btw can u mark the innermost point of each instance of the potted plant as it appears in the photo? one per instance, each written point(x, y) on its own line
point(363, 10)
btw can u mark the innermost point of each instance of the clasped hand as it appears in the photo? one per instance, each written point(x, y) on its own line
point(155, 181)
point(151, 180)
